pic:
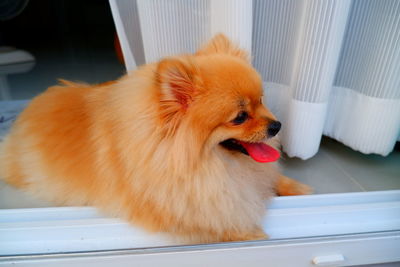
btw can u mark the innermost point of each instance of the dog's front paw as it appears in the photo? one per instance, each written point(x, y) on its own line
point(289, 187)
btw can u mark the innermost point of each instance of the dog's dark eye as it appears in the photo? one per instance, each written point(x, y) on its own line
point(241, 117)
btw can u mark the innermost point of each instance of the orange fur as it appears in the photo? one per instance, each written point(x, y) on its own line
point(146, 147)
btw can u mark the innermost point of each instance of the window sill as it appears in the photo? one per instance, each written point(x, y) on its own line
point(359, 228)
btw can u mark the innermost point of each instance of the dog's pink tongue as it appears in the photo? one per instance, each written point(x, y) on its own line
point(261, 152)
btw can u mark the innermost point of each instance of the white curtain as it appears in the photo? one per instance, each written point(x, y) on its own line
point(329, 66)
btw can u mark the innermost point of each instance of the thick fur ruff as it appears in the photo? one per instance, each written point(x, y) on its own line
point(146, 147)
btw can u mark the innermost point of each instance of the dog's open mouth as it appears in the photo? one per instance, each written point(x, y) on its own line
point(260, 152)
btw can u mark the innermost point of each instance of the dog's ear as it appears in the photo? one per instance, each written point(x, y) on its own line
point(179, 82)
point(222, 45)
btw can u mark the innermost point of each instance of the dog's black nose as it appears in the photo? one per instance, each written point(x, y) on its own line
point(273, 128)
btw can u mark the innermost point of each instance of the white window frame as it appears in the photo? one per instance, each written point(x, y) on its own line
point(317, 230)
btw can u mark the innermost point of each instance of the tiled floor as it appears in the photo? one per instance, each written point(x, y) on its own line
point(96, 66)
point(337, 168)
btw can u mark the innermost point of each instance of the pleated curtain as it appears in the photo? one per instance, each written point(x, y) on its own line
point(330, 67)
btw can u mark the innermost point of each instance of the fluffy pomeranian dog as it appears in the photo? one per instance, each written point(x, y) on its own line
point(182, 146)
